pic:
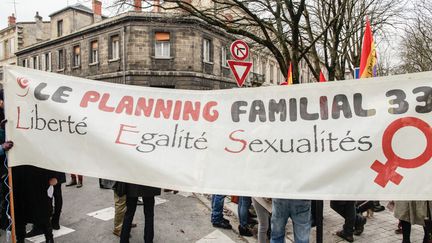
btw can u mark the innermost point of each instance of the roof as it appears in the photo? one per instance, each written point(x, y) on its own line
point(77, 6)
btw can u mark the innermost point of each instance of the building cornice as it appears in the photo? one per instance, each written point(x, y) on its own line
point(145, 17)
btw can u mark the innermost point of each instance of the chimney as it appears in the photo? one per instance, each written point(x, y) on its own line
point(97, 10)
point(137, 5)
point(38, 18)
point(156, 6)
point(11, 20)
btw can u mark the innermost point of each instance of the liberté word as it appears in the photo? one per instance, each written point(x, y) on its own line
point(33, 120)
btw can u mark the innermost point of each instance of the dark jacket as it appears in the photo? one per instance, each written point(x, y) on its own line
point(30, 185)
point(60, 176)
point(134, 190)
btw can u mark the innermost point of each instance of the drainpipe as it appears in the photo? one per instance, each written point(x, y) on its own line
point(124, 54)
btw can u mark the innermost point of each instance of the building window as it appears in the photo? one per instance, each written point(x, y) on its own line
point(271, 73)
point(207, 57)
point(278, 75)
point(94, 52)
point(263, 68)
point(2, 51)
point(25, 63)
point(162, 45)
point(224, 56)
point(60, 59)
point(255, 65)
point(59, 28)
point(114, 44)
point(35, 62)
point(76, 56)
point(46, 61)
point(12, 46)
point(6, 48)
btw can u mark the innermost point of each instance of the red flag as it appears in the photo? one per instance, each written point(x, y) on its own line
point(368, 58)
point(322, 77)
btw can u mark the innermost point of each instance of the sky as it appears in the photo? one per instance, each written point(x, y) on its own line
point(26, 9)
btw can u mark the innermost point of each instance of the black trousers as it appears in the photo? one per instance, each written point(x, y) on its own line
point(406, 232)
point(347, 210)
point(58, 204)
point(148, 207)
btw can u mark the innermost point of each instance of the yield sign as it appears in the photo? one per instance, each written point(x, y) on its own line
point(240, 70)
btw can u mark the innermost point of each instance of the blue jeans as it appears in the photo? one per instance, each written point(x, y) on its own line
point(244, 204)
point(300, 213)
point(217, 208)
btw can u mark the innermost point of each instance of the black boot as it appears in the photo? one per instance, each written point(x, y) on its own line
point(49, 239)
point(244, 231)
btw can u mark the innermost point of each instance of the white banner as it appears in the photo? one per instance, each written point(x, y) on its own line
point(355, 139)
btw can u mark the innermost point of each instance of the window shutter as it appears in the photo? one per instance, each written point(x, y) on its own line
point(43, 62)
point(49, 62)
point(37, 63)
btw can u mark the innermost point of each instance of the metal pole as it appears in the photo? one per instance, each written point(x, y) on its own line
point(319, 211)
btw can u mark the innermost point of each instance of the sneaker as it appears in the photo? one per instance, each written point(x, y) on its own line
point(222, 225)
point(360, 227)
point(71, 183)
point(79, 184)
point(344, 236)
point(244, 231)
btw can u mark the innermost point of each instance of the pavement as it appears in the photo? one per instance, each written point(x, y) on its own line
point(185, 217)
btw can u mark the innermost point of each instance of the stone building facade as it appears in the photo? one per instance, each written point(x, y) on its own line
point(19, 35)
point(141, 48)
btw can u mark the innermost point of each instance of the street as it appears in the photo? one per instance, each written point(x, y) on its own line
point(88, 213)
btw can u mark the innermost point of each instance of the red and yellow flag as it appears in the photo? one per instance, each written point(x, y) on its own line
point(368, 58)
point(289, 80)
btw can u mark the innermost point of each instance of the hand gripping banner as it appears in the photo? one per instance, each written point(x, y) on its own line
point(349, 140)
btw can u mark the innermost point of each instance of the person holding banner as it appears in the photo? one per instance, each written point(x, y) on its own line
point(31, 200)
point(243, 213)
point(354, 222)
point(76, 180)
point(412, 213)
point(217, 218)
point(263, 210)
point(5, 146)
point(300, 213)
point(147, 194)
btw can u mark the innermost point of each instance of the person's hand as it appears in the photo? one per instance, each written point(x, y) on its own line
point(53, 181)
point(3, 124)
point(7, 145)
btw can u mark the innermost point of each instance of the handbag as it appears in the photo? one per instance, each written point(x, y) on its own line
point(428, 224)
point(120, 188)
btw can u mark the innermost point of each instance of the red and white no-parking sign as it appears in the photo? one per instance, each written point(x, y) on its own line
point(239, 50)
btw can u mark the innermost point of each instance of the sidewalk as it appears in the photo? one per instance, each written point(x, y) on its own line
point(380, 228)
